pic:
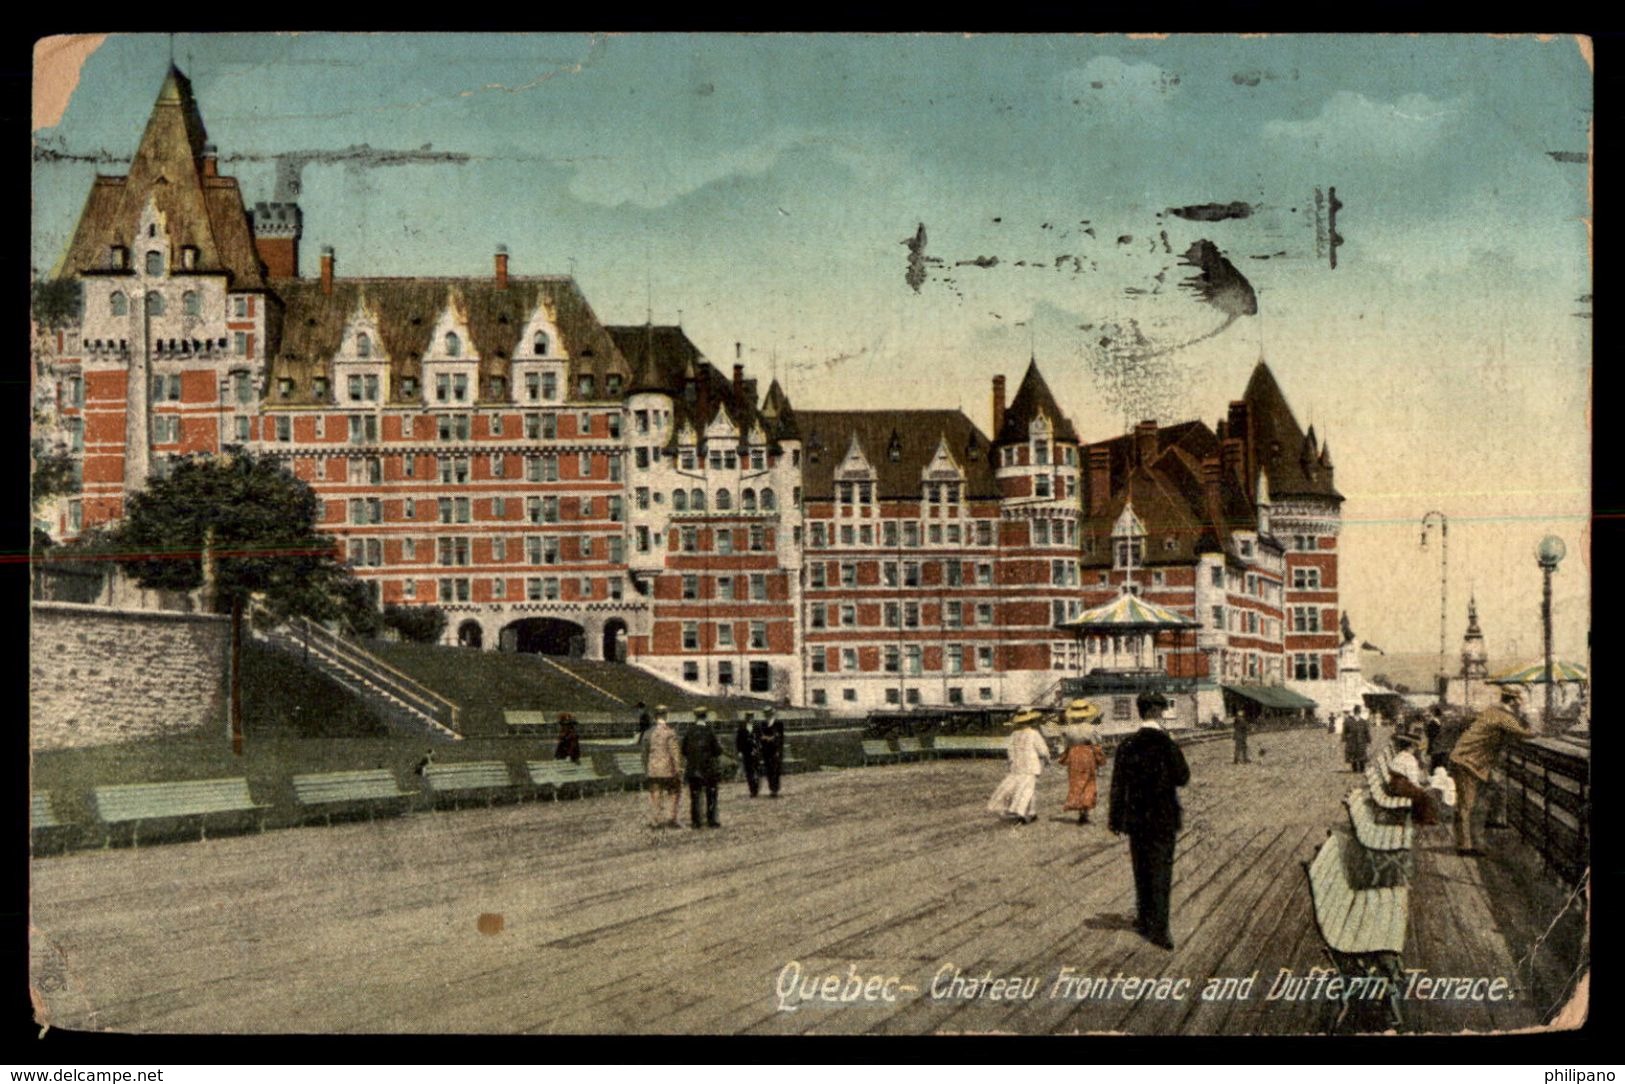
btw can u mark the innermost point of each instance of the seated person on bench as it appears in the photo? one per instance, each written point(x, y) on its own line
point(1407, 780)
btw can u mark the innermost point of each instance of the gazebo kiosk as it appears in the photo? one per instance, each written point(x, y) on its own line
point(1118, 642)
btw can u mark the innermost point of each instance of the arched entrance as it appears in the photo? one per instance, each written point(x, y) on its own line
point(469, 634)
point(615, 640)
point(545, 636)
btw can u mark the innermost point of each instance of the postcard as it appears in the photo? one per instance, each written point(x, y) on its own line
point(810, 534)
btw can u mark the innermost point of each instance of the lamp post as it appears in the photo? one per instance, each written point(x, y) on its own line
point(1444, 571)
point(1550, 551)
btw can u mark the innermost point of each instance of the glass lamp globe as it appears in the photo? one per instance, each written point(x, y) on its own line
point(1551, 550)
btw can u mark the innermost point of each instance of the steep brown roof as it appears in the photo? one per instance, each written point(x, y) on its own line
point(1161, 501)
point(407, 310)
point(827, 434)
point(206, 213)
point(1278, 442)
point(1033, 398)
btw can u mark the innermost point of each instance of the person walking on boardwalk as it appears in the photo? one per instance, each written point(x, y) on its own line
point(1356, 739)
point(1239, 727)
point(1146, 779)
point(1017, 794)
point(770, 742)
point(663, 766)
point(1476, 752)
point(702, 759)
point(750, 751)
point(569, 746)
point(1083, 757)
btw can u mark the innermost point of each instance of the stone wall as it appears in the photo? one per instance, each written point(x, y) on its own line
point(99, 676)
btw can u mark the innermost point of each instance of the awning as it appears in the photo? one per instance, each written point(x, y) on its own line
point(1129, 612)
point(1535, 673)
point(1271, 696)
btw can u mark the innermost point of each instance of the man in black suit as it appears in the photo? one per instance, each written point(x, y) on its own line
point(1147, 773)
point(750, 751)
point(770, 740)
point(702, 759)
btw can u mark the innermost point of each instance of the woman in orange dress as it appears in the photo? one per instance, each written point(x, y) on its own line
point(1083, 756)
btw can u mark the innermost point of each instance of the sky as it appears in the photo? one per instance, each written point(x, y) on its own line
point(770, 191)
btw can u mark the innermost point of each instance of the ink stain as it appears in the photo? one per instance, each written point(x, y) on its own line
point(1213, 212)
point(1217, 282)
point(489, 924)
point(980, 261)
point(915, 275)
point(1575, 157)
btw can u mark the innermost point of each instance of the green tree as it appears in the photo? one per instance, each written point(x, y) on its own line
point(419, 624)
point(242, 527)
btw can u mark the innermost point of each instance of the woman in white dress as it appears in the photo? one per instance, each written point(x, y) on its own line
point(1017, 794)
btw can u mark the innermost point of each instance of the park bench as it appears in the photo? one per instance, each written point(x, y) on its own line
point(478, 778)
point(1390, 808)
point(629, 765)
point(555, 775)
point(1387, 847)
point(46, 829)
point(224, 801)
point(911, 747)
point(368, 791)
point(878, 751)
point(1362, 929)
point(969, 745)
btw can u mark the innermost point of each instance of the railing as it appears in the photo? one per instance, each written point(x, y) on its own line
point(1548, 792)
point(426, 700)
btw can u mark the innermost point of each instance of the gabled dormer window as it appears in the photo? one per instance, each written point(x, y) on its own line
point(454, 345)
point(363, 345)
point(539, 344)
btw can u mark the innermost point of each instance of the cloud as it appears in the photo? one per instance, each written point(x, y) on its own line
point(1352, 124)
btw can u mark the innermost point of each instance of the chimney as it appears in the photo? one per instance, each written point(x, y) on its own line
point(502, 267)
point(1234, 459)
point(1238, 421)
point(1145, 442)
point(739, 350)
point(1210, 485)
point(1100, 479)
point(211, 161)
point(327, 269)
point(998, 406)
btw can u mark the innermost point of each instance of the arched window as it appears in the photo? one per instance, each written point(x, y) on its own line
point(679, 501)
point(189, 303)
point(724, 500)
point(363, 345)
point(454, 345)
point(120, 304)
point(769, 501)
point(696, 499)
point(155, 262)
point(747, 500)
point(155, 303)
point(541, 344)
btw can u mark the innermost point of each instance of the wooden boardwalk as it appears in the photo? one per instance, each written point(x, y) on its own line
point(606, 926)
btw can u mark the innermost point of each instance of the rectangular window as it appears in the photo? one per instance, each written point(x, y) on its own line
point(984, 658)
point(911, 574)
point(724, 540)
point(758, 538)
point(691, 635)
point(984, 613)
point(911, 534)
point(912, 659)
point(818, 616)
point(758, 635)
point(953, 615)
point(758, 586)
point(911, 615)
point(690, 538)
point(1306, 579)
point(892, 612)
point(891, 659)
point(849, 615)
point(849, 574)
point(725, 634)
point(691, 586)
point(815, 537)
point(956, 659)
point(1218, 616)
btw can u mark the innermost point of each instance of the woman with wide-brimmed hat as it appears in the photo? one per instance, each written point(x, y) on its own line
point(1083, 757)
point(1017, 794)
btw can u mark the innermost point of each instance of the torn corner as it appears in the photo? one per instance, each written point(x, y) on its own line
point(58, 61)
point(1572, 1016)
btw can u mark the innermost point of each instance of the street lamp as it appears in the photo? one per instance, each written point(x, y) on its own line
point(1550, 551)
point(1444, 571)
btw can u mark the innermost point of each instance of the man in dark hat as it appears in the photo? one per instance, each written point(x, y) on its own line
point(750, 751)
point(1149, 771)
point(569, 746)
point(770, 740)
point(702, 759)
point(1475, 755)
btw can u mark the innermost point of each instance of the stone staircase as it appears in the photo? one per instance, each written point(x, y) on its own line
point(407, 706)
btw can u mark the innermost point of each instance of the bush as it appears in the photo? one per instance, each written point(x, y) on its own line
point(417, 624)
